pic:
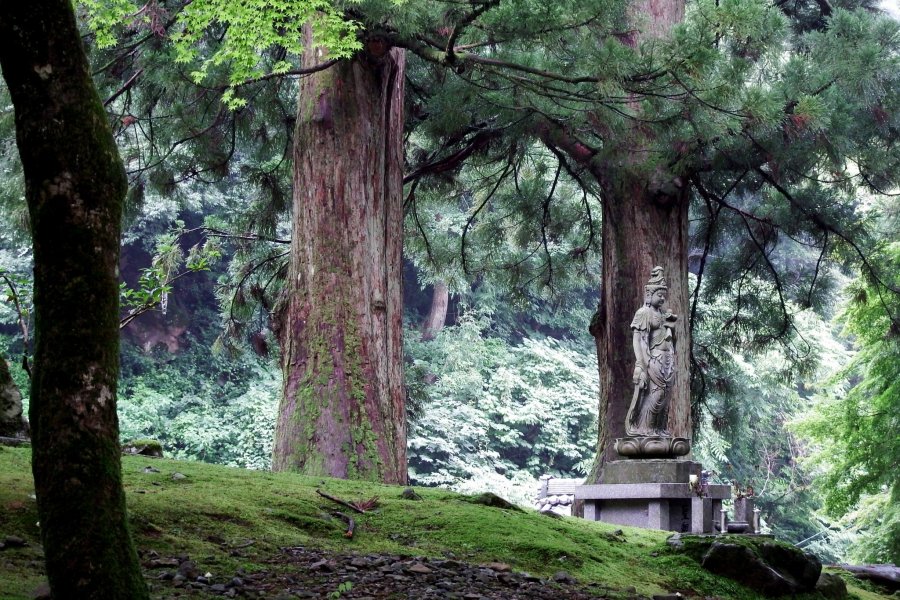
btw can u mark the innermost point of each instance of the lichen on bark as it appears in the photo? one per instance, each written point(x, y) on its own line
point(74, 186)
point(343, 407)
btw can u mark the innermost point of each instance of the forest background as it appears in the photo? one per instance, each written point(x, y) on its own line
point(504, 387)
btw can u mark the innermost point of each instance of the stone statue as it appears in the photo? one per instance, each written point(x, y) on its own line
point(654, 370)
point(653, 341)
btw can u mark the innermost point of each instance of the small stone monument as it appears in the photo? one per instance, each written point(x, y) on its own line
point(653, 486)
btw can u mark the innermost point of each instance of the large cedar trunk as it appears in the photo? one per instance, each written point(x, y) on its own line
point(343, 412)
point(645, 224)
point(642, 228)
point(74, 186)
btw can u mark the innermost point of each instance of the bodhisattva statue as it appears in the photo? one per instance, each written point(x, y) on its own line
point(654, 370)
point(653, 341)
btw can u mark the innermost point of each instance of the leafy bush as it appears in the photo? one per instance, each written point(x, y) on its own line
point(500, 414)
point(201, 406)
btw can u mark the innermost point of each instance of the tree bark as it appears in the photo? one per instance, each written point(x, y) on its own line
point(645, 224)
point(342, 412)
point(12, 424)
point(643, 227)
point(437, 315)
point(74, 185)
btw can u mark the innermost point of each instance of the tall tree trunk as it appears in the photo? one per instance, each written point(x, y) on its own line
point(642, 228)
point(74, 186)
point(645, 224)
point(343, 408)
point(437, 315)
point(12, 424)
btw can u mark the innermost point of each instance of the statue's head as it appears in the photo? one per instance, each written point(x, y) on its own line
point(657, 282)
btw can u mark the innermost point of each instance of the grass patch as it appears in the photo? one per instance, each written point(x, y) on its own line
point(226, 518)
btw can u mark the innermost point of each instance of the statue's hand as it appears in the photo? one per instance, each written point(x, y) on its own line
point(639, 377)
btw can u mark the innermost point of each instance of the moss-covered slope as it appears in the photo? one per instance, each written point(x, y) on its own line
point(228, 519)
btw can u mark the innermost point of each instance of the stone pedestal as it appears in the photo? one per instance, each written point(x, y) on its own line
point(654, 494)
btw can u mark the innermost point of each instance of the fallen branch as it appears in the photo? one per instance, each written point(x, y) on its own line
point(341, 502)
point(351, 524)
point(12, 441)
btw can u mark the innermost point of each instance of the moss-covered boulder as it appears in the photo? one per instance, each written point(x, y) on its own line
point(144, 448)
point(762, 564)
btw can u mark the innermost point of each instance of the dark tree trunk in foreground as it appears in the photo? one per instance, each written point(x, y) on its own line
point(12, 424)
point(343, 413)
point(74, 186)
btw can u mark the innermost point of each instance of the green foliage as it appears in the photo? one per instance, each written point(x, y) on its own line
point(200, 406)
point(155, 282)
point(854, 422)
point(500, 414)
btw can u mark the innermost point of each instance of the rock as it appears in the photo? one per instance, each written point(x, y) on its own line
point(563, 577)
point(802, 567)
point(674, 541)
point(498, 566)
point(178, 476)
point(143, 448)
point(410, 494)
point(831, 586)
point(188, 570)
point(162, 563)
point(739, 563)
point(419, 568)
point(14, 541)
point(491, 499)
point(149, 470)
point(41, 592)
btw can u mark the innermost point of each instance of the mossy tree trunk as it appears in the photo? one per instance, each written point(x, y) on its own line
point(12, 424)
point(74, 186)
point(342, 412)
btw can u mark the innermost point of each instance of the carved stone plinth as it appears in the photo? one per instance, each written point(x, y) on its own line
point(652, 447)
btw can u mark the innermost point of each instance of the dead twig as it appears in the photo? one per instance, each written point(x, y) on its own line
point(351, 524)
point(341, 502)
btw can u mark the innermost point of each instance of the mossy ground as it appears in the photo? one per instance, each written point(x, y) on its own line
point(215, 510)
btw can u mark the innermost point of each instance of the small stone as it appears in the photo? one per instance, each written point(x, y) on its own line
point(410, 494)
point(203, 580)
point(321, 565)
point(150, 470)
point(218, 588)
point(359, 562)
point(419, 568)
point(188, 570)
point(236, 582)
point(178, 476)
point(831, 586)
point(14, 541)
point(563, 577)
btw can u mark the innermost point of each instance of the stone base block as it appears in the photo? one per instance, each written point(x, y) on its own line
point(666, 506)
point(650, 471)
